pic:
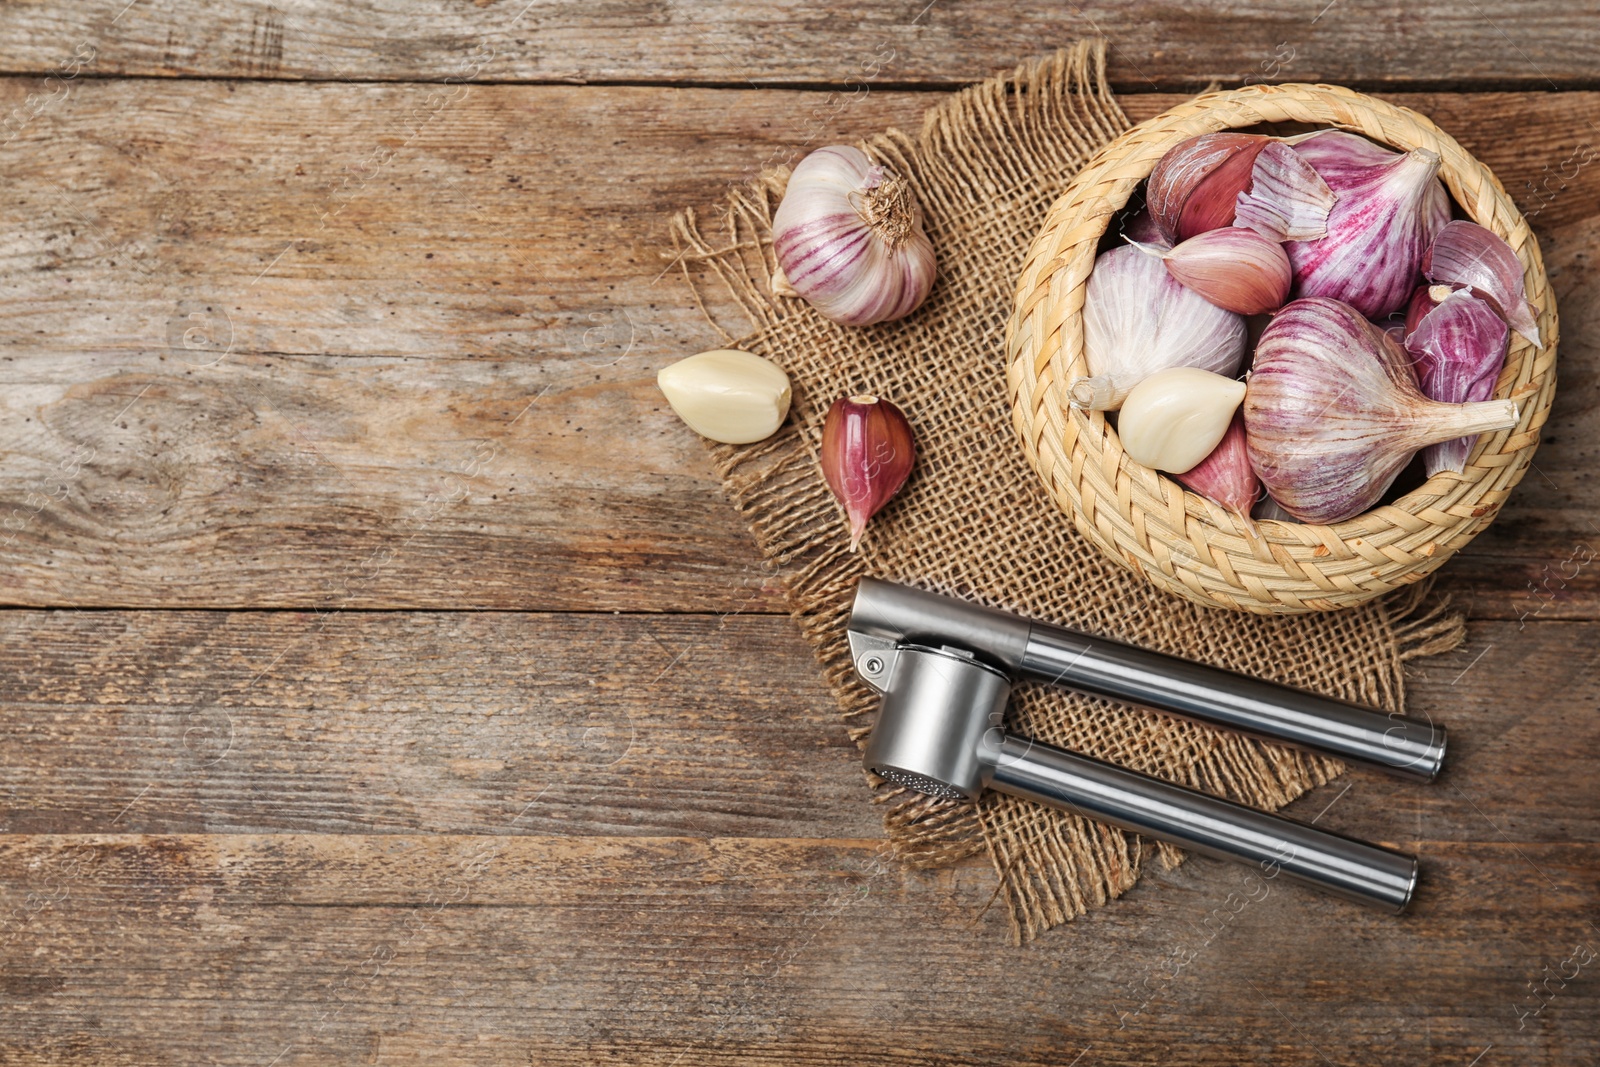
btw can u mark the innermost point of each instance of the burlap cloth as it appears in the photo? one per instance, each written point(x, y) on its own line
point(975, 522)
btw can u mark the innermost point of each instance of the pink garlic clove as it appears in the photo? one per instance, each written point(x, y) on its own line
point(1188, 164)
point(1390, 206)
point(1466, 254)
point(1214, 201)
point(867, 455)
point(1226, 475)
point(1333, 412)
point(1236, 269)
point(1457, 350)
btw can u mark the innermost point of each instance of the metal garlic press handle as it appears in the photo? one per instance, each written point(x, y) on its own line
point(1355, 870)
point(1025, 648)
point(939, 732)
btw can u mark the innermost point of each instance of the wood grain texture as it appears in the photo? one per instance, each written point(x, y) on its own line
point(458, 723)
point(340, 347)
point(1363, 43)
point(274, 345)
point(254, 722)
point(642, 929)
point(665, 950)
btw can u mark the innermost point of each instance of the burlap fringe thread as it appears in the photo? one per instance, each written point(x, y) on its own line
point(994, 156)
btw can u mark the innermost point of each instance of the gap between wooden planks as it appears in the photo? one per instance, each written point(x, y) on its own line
point(924, 43)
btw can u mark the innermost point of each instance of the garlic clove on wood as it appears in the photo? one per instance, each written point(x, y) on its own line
point(727, 395)
point(1173, 419)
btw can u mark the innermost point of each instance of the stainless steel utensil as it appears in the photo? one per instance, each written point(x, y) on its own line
point(945, 670)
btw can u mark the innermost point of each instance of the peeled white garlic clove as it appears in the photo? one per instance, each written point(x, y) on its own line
point(727, 395)
point(1174, 418)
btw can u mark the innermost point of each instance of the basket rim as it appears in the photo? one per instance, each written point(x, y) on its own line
point(1282, 566)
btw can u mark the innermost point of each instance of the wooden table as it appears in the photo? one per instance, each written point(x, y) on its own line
point(386, 678)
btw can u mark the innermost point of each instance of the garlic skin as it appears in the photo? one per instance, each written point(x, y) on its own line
point(867, 455)
point(1287, 200)
point(1466, 254)
point(1423, 300)
point(1236, 269)
point(1237, 179)
point(1389, 207)
point(1457, 350)
point(848, 239)
point(1225, 475)
point(1333, 412)
point(727, 395)
point(1138, 319)
point(1173, 419)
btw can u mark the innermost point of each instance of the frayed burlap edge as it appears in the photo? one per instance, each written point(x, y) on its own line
point(1046, 114)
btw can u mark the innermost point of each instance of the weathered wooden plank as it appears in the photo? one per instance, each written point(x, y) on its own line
point(311, 949)
point(477, 723)
point(178, 435)
point(502, 723)
point(911, 42)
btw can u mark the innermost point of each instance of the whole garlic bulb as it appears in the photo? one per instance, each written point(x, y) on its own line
point(1138, 319)
point(848, 238)
point(1333, 411)
point(1390, 206)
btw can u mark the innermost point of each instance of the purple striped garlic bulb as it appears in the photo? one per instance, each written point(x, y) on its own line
point(848, 239)
point(1389, 207)
point(1333, 411)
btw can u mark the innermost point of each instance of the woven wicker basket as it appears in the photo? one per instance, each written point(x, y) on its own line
point(1179, 540)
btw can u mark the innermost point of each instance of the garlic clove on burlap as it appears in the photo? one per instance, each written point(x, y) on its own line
point(867, 455)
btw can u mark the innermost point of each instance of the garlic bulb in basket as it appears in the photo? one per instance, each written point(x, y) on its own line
point(1389, 207)
point(1138, 319)
point(848, 238)
point(1333, 412)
